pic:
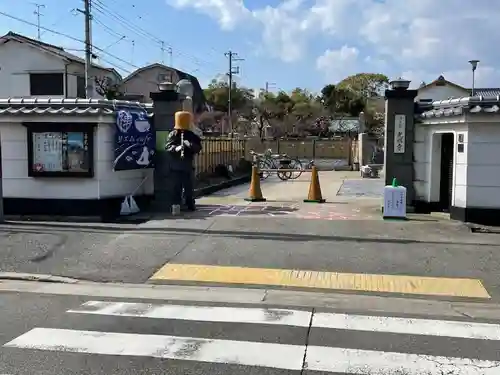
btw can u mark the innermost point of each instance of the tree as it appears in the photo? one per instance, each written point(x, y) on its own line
point(364, 85)
point(105, 87)
point(340, 101)
point(355, 94)
point(217, 96)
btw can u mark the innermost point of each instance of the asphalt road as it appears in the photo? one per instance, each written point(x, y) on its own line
point(346, 235)
point(133, 253)
point(48, 334)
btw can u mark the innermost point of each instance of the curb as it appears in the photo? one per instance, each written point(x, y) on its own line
point(37, 277)
point(132, 219)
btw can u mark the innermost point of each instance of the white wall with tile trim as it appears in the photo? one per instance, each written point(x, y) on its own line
point(105, 184)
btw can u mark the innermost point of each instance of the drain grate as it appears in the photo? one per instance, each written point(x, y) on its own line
point(485, 230)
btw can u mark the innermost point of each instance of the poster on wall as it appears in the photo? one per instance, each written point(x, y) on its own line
point(134, 141)
point(60, 152)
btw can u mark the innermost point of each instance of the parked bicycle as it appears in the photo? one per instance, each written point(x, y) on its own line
point(268, 160)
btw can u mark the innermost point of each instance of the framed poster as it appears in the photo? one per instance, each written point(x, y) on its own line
point(60, 150)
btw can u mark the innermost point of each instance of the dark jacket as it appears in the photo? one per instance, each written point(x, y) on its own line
point(174, 139)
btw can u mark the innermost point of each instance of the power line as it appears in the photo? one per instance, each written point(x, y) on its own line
point(106, 11)
point(38, 15)
point(67, 36)
point(55, 32)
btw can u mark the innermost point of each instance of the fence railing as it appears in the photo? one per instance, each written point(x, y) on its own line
point(228, 151)
point(218, 151)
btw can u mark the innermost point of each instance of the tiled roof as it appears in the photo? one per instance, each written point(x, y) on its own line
point(487, 92)
point(39, 106)
point(454, 107)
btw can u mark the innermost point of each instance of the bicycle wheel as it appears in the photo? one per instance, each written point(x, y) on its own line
point(265, 164)
point(296, 164)
point(283, 176)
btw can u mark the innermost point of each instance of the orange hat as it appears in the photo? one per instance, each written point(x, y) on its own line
point(183, 120)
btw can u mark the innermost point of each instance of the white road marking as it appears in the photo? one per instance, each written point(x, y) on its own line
point(364, 362)
point(446, 328)
point(199, 313)
point(271, 355)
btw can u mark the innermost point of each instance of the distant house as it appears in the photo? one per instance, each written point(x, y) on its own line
point(139, 84)
point(442, 89)
point(30, 68)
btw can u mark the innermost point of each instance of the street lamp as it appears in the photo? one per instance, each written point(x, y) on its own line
point(474, 67)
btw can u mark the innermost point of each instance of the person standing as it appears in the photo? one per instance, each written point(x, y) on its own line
point(183, 145)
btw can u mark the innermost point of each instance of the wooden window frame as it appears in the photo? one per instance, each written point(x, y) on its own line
point(41, 127)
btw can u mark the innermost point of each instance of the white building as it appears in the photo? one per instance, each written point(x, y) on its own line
point(30, 68)
point(58, 157)
point(442, 89)
point(456, 159)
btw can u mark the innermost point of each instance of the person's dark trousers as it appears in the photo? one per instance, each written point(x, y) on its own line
point(183, 180)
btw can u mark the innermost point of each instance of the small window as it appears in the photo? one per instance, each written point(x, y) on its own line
point(165, 77)
point(58, 150)
point(80, 87)
point(46, 84)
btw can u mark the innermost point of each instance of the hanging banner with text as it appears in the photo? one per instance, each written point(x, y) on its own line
point(134, 141)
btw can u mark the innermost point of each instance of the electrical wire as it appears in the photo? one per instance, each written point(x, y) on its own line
point(55, 32)
point(103, 9)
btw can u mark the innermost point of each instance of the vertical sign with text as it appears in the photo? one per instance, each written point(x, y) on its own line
point(399, 134)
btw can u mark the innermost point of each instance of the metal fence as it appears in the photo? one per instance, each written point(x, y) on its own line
point(218, 151)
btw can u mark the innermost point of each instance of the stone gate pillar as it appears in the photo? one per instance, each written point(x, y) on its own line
point(399, 135)
point(166, 102)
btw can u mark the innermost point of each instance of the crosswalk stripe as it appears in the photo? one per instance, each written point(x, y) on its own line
point(289, 357)
point(364, 362)
point(447, 328)
point(199, 313)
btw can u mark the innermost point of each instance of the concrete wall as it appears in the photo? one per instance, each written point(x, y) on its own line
point(105, 183)
point(17, 60)
point(483, 172)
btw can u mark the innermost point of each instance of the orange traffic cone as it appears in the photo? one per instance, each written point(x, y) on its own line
point(255, 192)
point(314, 188)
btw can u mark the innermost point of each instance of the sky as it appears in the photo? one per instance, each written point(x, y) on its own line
point(287, 43)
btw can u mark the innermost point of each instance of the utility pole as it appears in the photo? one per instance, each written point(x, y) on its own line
point(89, 86)
point(169, 51)
point(232, 57)
point(38, 15)
point(269, 85)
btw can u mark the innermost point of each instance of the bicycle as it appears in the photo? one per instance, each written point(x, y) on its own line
point(268, 160)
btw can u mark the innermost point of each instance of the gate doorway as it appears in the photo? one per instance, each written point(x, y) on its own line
point(446, 172)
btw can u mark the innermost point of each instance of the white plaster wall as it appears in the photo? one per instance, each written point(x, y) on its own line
point(441, 93)
point(15, 179)
point(427, 149)
point(105, 183)
point(483, 173)
point(421, 157)
point(17, 60)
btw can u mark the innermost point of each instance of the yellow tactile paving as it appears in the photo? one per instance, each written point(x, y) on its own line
point(436, 286)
